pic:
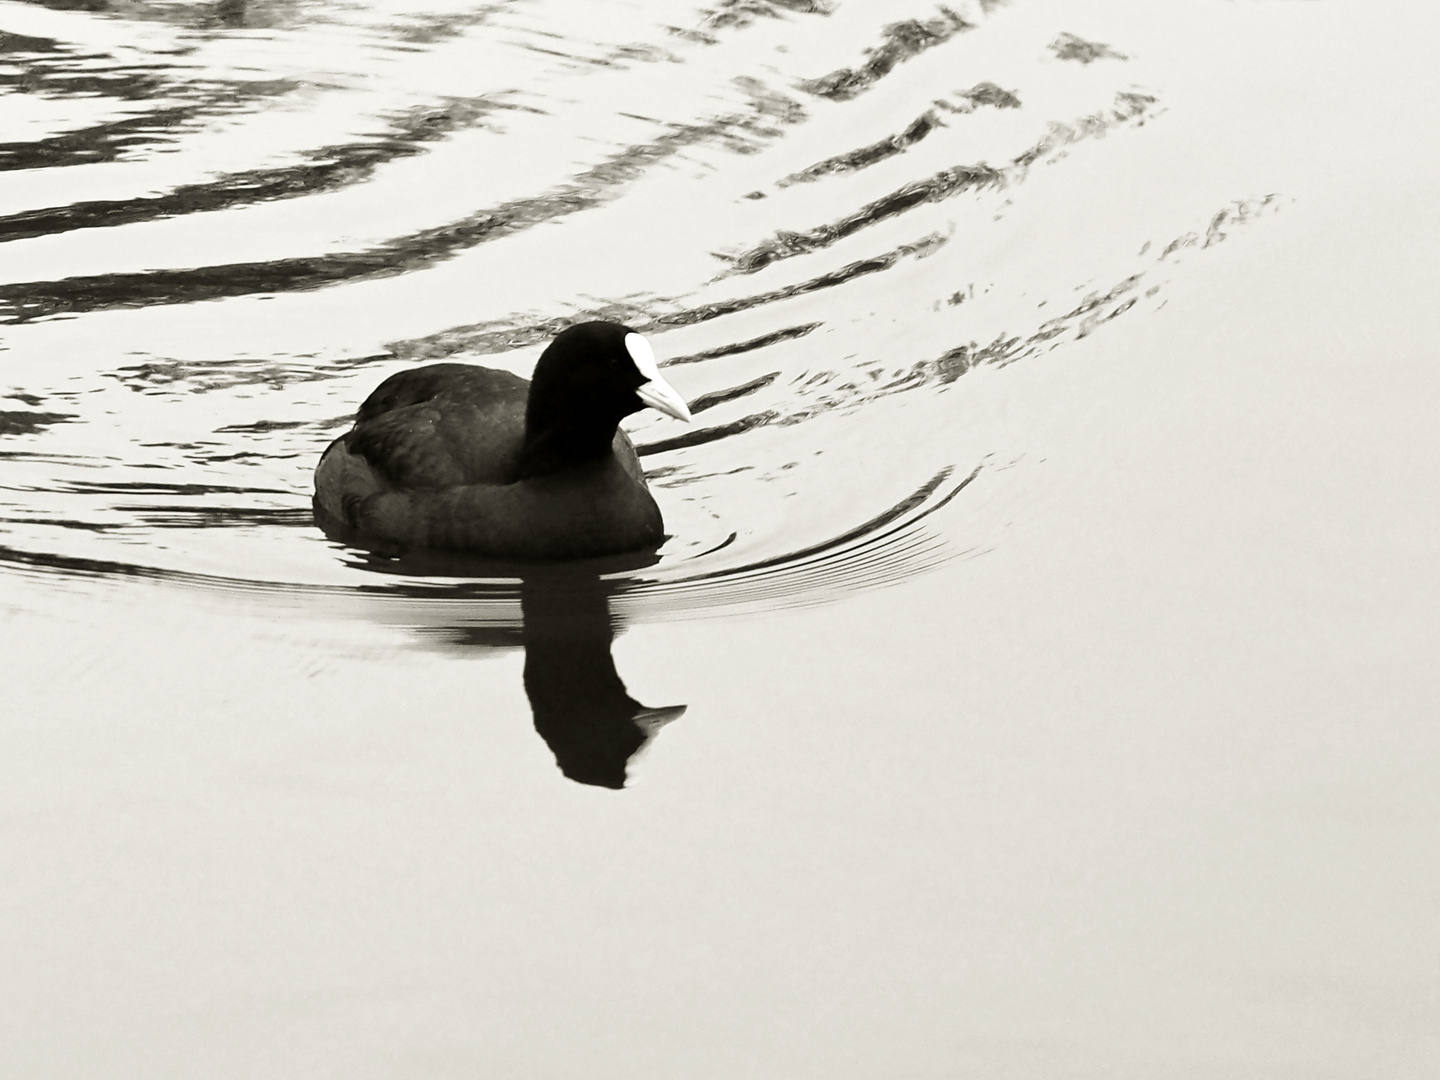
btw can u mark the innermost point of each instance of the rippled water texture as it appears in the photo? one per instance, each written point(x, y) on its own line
point(224, 223)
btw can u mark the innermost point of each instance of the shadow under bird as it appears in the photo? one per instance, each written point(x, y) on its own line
point(462, 458)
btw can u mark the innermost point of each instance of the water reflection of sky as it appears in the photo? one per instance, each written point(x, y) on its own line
point(1056, 502)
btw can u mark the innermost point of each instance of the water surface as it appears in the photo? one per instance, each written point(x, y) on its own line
point(1031, 683)
point(224, 226)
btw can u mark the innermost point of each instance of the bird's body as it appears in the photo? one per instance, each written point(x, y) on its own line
point(461, 458)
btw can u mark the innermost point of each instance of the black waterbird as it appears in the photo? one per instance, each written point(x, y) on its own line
point(461, 458)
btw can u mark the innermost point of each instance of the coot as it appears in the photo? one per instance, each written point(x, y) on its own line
point(455, 457)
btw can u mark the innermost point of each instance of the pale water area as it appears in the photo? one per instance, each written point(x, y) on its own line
point(1038, 680)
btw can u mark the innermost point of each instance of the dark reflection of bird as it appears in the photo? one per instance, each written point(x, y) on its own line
point(581, 708)
point(455, 457)
point(579, 703)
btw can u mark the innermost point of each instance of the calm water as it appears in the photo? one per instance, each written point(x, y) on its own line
point(867, 241)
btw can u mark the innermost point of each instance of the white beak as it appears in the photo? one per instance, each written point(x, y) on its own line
point(654, 391)
point(661, 396)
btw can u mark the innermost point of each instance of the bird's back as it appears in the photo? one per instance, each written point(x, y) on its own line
point(443, 426)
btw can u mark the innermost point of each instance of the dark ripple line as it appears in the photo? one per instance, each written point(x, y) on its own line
point(330, 168)
point(50, 71)
point(92, 145)
point(985, 93)
point(139, 487)
point(901, 41)
point(914, 501)
point(720, 397)
point(64, 523)
point(942, 185)
point(848, 272)
point(945, 184)
point(855, 160)
point(352, 164)
point(709, 434)
point(38, 299)
point(750, 345)
point(47, 74)
point(108, 568)
point(180, 517)
point(13, 42)
point(24, 422)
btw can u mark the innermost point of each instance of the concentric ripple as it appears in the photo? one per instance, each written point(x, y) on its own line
point(224, 224)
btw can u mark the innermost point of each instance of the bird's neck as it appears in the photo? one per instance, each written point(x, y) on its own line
point(565, 443)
